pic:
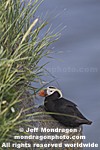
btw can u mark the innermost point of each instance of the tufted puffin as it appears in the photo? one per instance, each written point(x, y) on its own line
point(63, 110)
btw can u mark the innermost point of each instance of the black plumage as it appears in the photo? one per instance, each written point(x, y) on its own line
point(68, 113)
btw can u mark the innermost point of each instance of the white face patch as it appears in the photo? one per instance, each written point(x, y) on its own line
point(51, 90)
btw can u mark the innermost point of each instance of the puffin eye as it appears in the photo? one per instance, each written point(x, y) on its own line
point(51, 91)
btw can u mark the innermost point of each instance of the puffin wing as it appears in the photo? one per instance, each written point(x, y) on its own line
point(67, 107)
point(68, 102)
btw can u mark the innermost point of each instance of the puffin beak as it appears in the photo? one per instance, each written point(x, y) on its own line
point(43, 93)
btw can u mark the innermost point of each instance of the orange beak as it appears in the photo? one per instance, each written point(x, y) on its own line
point(43, 93)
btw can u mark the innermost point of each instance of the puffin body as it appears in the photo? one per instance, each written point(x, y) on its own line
point(65, 111)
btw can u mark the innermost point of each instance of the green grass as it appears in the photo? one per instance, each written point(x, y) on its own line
point(21, 50)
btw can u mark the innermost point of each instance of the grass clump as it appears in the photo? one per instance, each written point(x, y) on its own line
point(21, 50)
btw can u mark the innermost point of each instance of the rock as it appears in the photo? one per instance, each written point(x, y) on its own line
point(59, 133)
point(46, 123)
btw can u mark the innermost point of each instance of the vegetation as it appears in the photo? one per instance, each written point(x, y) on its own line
point(21, 49)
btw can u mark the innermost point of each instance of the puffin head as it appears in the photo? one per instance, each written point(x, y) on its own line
point(50, 91)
